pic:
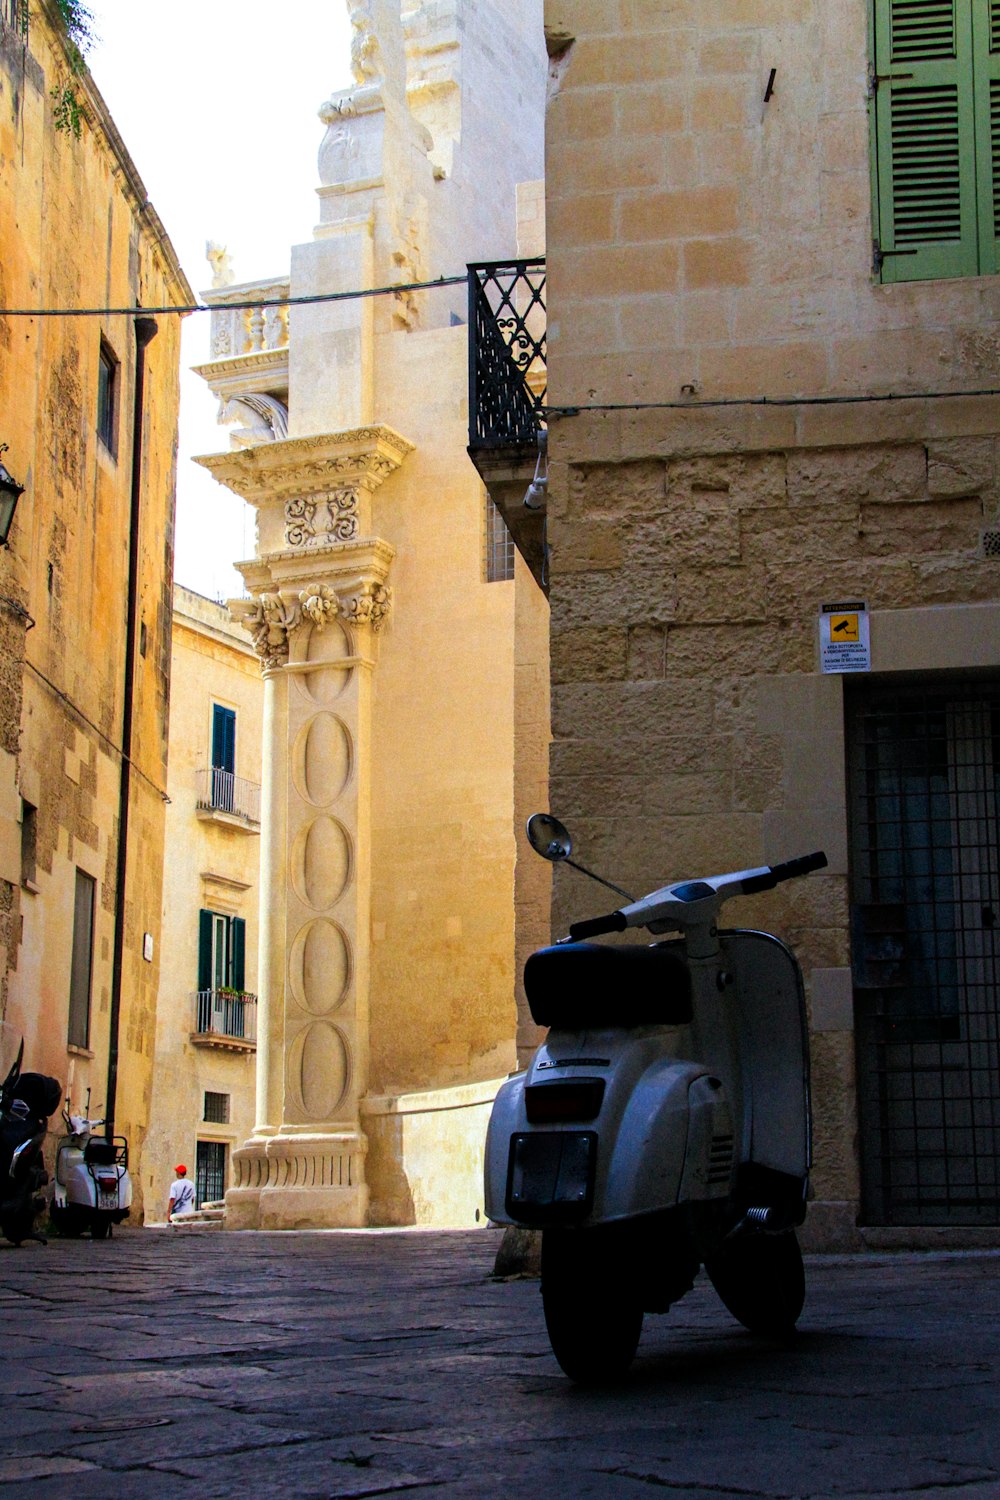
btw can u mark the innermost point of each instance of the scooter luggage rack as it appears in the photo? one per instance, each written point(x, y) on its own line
point(101, 1152)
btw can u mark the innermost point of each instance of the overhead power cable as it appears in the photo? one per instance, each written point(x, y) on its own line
point(697, 404)
point(243, 306)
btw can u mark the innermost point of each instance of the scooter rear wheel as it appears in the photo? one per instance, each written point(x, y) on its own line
point(592, 1317)
point(761, 1280)
point(100, 1226)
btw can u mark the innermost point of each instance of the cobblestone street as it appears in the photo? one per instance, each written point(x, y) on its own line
point(346, 1365)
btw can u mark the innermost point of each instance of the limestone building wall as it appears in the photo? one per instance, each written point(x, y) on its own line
point(211, 863)
point(390, 650)
point(77, 229)
point(705, 246)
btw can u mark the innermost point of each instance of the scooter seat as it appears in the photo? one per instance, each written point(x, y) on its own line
point(578, 985)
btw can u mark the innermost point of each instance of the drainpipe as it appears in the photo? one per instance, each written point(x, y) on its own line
point(145, 332)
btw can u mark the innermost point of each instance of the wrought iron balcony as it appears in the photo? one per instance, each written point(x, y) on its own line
point(226, 1018)
point(507, 381)
point(506, 353)
point(228, 799)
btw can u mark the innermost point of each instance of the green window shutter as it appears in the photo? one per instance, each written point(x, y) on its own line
point(986, 55)
point(205, 950)
point(925, 139)
point(238, 940)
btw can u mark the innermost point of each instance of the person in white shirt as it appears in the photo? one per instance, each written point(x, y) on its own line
point(181, 1195)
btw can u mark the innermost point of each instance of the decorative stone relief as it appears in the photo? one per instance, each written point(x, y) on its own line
point(264, 419)
point(319, 603)
point(342, 508)
point(269, 619)
point(299, 516)
point(371, 606)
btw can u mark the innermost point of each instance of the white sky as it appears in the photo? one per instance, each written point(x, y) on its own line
point(217, 104)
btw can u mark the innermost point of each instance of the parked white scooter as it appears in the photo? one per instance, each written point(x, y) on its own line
point(93, 1189)
point(664, 1122)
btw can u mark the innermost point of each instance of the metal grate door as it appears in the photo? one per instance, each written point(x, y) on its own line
point(924, 788)
point(211, 1172)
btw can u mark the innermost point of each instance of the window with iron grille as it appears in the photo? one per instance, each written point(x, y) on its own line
point(210, 1174)
point(499, 559)
point(216, 1109)
point(924, 762)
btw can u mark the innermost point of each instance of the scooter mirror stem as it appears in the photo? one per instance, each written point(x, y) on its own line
point(599, 878)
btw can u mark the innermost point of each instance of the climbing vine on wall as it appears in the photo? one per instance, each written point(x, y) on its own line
point(67, 108)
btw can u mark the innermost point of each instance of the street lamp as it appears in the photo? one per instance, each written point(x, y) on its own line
point(10, 494)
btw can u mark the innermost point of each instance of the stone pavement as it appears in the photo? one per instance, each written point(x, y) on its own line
point(350, 1365)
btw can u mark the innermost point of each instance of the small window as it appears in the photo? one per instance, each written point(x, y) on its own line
point(216, 1109)
point(107, 398)
point(499, 544)
point(82, 963)
point(29, 844)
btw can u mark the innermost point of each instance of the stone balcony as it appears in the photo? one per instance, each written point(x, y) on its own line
point(248, 370)
point(225, 1019)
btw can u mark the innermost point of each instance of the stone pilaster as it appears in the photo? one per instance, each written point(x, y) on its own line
point(319, 604)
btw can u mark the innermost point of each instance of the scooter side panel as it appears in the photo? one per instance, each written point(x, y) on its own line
point(770, 1002)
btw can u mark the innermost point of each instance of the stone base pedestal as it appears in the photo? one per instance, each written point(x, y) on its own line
point(314, 1181)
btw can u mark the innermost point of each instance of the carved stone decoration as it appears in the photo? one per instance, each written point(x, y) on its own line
point(371, 606)
point(366, 55)
point(299, 516)
point(269, 619)
point(319, 603)
point(221, 261)
point(264, 418)
point(342, 508)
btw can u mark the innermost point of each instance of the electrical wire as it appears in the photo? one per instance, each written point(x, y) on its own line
point(696, 404)
point(250, 305)
point(74, 708)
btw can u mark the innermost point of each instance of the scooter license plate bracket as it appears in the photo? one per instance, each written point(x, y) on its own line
point(550, 1176)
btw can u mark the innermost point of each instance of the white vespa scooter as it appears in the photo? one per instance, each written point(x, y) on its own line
point(93, 1189)
point(664, 1122)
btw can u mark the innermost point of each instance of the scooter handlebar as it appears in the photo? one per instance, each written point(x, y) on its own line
point(595, 926)
point(790, 870)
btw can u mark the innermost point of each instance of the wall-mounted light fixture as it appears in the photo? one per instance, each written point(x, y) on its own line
point(10, 494)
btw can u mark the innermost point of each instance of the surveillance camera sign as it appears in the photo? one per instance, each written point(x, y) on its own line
point(844, 642)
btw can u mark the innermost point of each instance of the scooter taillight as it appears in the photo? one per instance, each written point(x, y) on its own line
point(569, 1099)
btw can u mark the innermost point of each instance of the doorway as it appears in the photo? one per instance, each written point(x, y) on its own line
point(923, 779)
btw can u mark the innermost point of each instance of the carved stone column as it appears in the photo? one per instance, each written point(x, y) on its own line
point(320, 599)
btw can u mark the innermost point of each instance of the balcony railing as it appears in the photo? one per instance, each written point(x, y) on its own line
point(226, 1018)
point(506, 353)
point(222, 792)
point(249, 330)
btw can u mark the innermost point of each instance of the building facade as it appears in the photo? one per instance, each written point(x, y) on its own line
point(382, 603)
point(772, 309)
point(89, 415)
point(206, 1019)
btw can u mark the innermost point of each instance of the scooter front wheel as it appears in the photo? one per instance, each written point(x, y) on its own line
point(591, 1313)
point(761, 1280)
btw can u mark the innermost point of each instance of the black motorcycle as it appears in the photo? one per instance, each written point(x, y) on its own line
point(26, 1102)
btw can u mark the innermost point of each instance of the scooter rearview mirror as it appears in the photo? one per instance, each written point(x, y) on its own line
point(548, 837)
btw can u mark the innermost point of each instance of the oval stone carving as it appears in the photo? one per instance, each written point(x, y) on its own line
point(319, 1069)
point(322, 758)
point(327, 646)
point(321, 863)
point(319, 966)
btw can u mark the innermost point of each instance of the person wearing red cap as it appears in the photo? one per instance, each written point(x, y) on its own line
point(181, 1195)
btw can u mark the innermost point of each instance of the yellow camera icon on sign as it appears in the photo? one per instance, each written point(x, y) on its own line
point(844, 628)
